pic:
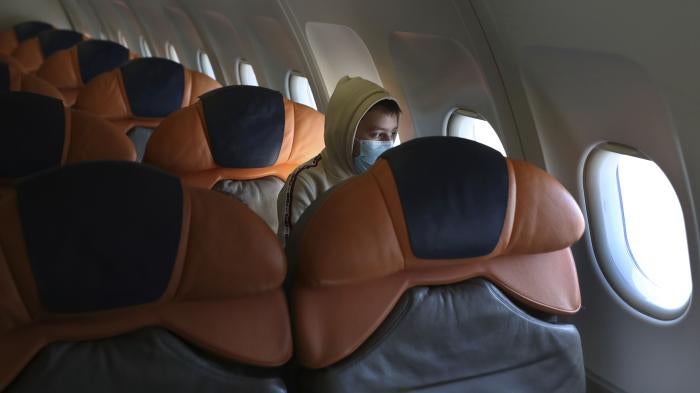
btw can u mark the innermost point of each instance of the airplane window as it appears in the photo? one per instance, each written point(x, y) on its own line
point(470, 125)
point(145, 48)
point(171, 52)
point(300, 90)
point(122, 39)
point(246, 74)
point(639, 231)
point(205, 64)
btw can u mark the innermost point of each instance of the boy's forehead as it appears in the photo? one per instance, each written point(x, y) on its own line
point(380, 118)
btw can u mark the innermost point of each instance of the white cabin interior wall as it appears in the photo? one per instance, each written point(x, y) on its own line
point(128, 25)
point(598, 71)
point(107, 14)
point(254, 31)
point(83, 17)
point(161, 30)
point(51, 11)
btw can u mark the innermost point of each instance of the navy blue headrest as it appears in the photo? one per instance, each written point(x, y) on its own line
point(27, 30)
point(245, 125)
point(96, 57)
point(33, 133)
point(4, 77)
point(154, 86)
point(52, 41)
point(101, 235)
point(454, 195)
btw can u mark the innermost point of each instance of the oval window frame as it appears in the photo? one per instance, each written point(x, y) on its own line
point(240, 64)
point(171, 52)
point(608, 235)
point(205, 65)
point(474, 115)
point(291, 75)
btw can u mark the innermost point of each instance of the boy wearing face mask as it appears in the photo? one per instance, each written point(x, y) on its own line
point(362, 121)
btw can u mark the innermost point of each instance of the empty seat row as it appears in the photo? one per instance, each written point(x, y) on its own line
point(240, 140)
point(136, 97)
point(71, 69)
point(33, 52)
point(21, 32)
point(125, 278)
point(68, 60)
point(39, 133)
point(139, 95)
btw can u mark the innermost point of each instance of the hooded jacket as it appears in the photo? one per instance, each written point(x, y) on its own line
point(351, 100)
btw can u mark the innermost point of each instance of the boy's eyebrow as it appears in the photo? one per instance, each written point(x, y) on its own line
point(386, 129)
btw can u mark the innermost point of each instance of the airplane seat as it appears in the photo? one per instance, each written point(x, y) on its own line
point(240, 140)
point(417, 286)
point(13, 79)
point(39, 133)
point(11, 38)
point(124, 280)
point(32, 52)
point(70, 69)
point(139, 95)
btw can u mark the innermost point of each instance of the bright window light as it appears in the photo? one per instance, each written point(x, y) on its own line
point(639, 232)
point(654, 226)
point(205, 64)
point(300, 90)
point(145, 48)
point(246, 74)
point(171, 52)
point(469, 125)
point(122, 39)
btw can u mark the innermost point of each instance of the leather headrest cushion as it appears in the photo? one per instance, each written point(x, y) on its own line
point(154, 86)
point(457, 200)
point(70, 69)
point(236, 133)
point(113, 247)
point(135, 240)
point(9, 39)
point(26, 30)
point(40, 133)
point(33, 135)
point(32, 52)
point(143, 91)
point(14, 67)
point(469, 180)
point(245, 125)
point(52, 41)
point(432, 211)
point(13, 79)
point(96, 57)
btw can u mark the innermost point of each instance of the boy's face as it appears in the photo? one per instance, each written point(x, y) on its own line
point(377, 125)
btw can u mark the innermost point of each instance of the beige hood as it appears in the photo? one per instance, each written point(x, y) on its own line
point(351, 100)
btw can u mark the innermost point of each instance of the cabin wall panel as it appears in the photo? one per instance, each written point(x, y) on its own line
point(51, 11)
point(624, 72)
point(254, 31)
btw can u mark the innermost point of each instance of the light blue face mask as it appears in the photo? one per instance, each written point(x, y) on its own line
point(369, 152)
